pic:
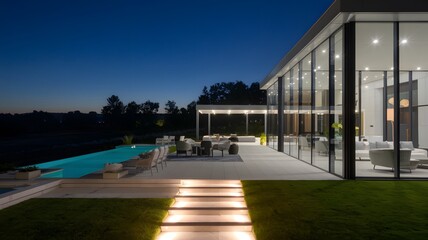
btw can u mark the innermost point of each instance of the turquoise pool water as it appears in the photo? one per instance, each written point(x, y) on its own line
point(76, 167)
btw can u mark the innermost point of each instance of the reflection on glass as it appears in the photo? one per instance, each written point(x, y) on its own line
point(305, 128)
point(374, 89)
point(336, 109)
point(320, 151)
point(272, 102)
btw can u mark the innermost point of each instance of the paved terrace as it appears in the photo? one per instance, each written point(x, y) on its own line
point(259, 163)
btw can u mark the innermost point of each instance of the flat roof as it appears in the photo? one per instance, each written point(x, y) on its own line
point(231, 109)
point(340, 12)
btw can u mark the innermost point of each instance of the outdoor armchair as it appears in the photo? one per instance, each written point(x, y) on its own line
point(221, 146)
point(183, 147)
point(385, 158)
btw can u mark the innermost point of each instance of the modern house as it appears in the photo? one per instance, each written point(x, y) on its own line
point(353, 91)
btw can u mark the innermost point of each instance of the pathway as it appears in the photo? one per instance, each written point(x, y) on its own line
point(208, 210)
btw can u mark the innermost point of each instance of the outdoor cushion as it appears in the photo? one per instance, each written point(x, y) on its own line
point(360, 146)
point(382, 145)
point(407, 144)
point(114, 167)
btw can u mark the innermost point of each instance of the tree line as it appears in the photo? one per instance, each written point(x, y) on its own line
point(144, 117)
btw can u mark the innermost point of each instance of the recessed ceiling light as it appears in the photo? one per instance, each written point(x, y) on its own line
point(404, 41)
point(309, 61)
point(319, 67)
point(418, 68)
point(367, 86)
point(337, 56)
point(323, 51)
point(367, 68)
point(375, 41)
point(392, 68)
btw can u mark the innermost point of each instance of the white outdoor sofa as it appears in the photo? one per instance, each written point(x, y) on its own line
point(362, 149)
point(223, 137)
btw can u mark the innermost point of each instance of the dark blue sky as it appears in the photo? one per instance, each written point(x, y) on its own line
point(60, 56)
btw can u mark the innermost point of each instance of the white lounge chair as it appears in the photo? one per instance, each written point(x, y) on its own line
point(385, 158)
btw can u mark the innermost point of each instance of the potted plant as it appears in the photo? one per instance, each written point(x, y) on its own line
point(263, 139)
point(127, 139)
point(27, 173)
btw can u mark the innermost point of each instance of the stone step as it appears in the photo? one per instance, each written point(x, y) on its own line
point(208, 211)
point(211, 183)
point(205, 219)
point(179, 198)
point(212, 194)
point(208, 205)
point(206, 236)
point(211, 189)
point(206, 227)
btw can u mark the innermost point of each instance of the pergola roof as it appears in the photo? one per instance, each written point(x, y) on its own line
point(231, 109)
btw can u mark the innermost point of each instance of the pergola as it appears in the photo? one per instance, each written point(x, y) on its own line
point(229, 109)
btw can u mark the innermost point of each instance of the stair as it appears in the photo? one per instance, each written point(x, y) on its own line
point(208, 210)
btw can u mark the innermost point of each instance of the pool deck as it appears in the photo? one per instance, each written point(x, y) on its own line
point(258, 163)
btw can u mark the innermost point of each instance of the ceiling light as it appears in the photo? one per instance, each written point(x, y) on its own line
point(323, 51)
point(404, 41)
point(337, 56)
point(418, 68)
point(319, 67)
point(375, 41)
point(367, 86)
point(367, 68)
point(392, 68)
point(309, 61)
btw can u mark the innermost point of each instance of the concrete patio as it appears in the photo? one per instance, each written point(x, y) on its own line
point(258, 163)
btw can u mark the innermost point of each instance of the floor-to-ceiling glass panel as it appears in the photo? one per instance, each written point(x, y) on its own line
point(272, 100)
point(294, 113)
point(320, 156)
point(336, 106)
point(374, 100)
point(305, 137)
point(414, 99)
point(287, 114)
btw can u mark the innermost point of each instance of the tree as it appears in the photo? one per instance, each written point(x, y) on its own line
point(232, 93)
point(113, 110)
point(150, 107)
point(171, 108)
point(114, 106)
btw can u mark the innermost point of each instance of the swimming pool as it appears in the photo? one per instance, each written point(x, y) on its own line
point(76, 167)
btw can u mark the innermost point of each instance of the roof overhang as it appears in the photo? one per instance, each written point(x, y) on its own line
point(343, 11)
point(231, 109)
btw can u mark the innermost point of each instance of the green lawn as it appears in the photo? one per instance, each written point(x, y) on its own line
point(83, 219)
point(338, 209)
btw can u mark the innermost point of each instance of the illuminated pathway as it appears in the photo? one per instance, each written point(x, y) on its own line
point(208, 210)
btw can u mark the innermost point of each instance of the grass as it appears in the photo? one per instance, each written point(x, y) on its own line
point(84, 219)
point(338, 209)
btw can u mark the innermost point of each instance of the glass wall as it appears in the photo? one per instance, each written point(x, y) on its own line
point(294, 111)
point(374, 100)
point(336, 106)
point(287, 112)
point(313, 109)
point(413, 98)
point(272, 116)
point(320, 151)
point(305, 120)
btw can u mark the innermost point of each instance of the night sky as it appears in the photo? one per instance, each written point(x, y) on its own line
point(61, 56)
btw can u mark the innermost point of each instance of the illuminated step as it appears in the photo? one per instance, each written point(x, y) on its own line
point(206, 236)
point(209, 199)
point(206, 204)
point(241, 218)
point(211, 183)
point(208, 211)
point(210, 189)
point(206, 227)
point(212, 194)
